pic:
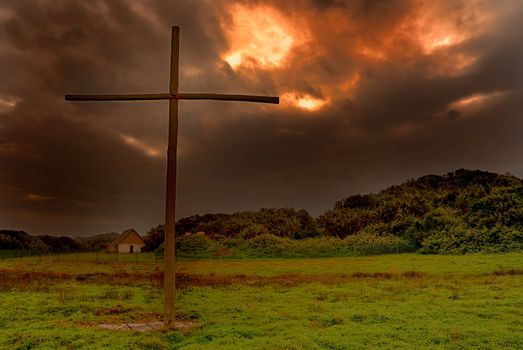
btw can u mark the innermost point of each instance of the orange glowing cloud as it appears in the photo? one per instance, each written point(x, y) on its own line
point(431, 26)
point(476, 100)
point(140, 146)
point(303, 101)
point(435, 30)
point(430, 37)
point(7, 103)
point(350, 84)
point(469, 106)
point(439, 36)
point(260, 36)
point(36, 197)
point(455, 64)
point(372, 53)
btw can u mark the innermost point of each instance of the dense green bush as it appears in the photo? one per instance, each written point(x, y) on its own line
point(192, 245)
point(267, 245)
point(271, 246)
point(462, 240)
point(196, 245)
point(461, 212)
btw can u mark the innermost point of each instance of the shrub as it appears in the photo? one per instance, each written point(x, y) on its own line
point(361, 244)
point(463, 240)
point(267, 245)
point(195, 245)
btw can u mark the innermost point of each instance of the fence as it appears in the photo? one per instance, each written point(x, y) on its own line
point(91, 257)
point(263, 246)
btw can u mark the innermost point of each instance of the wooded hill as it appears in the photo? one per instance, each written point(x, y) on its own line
point(462, 211)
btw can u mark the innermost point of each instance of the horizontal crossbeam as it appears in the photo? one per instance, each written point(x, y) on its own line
point(178, 96)
point(133, 97)
point(226, 97)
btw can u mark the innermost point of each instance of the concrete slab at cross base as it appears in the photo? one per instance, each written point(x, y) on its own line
point(143, 327)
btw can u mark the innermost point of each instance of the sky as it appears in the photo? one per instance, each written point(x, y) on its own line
point(373, 93)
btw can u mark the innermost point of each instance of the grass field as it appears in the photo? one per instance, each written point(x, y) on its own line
point(390, 301)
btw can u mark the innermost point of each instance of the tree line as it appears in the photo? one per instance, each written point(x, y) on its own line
point(44, 244)
point(459, 212)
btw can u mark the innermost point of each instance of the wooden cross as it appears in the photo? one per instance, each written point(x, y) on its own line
point(173, 96)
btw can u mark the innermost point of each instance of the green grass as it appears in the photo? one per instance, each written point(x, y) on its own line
point(391, 301)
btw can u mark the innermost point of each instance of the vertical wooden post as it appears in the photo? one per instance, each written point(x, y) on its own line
point(170, 203)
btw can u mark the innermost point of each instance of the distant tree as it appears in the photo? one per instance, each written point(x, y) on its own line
point(11, 239)
point(97, 242)
point(342, 222)
point(60, 244)
point(153, 238)
point(307, 226)
point(38, 247)
point(357, 202)
point(252, 230)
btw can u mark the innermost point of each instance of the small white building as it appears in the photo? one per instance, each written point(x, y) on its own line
point(129, 241)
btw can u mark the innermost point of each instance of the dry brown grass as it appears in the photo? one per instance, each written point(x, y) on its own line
point(507, 272)
point(37, 280)
point(34, 280)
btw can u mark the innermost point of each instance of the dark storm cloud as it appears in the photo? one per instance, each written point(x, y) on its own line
point(62, 160)
point(394, 107)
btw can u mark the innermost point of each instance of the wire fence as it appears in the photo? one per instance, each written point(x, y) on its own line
point(273, 247)
point(90, 257)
